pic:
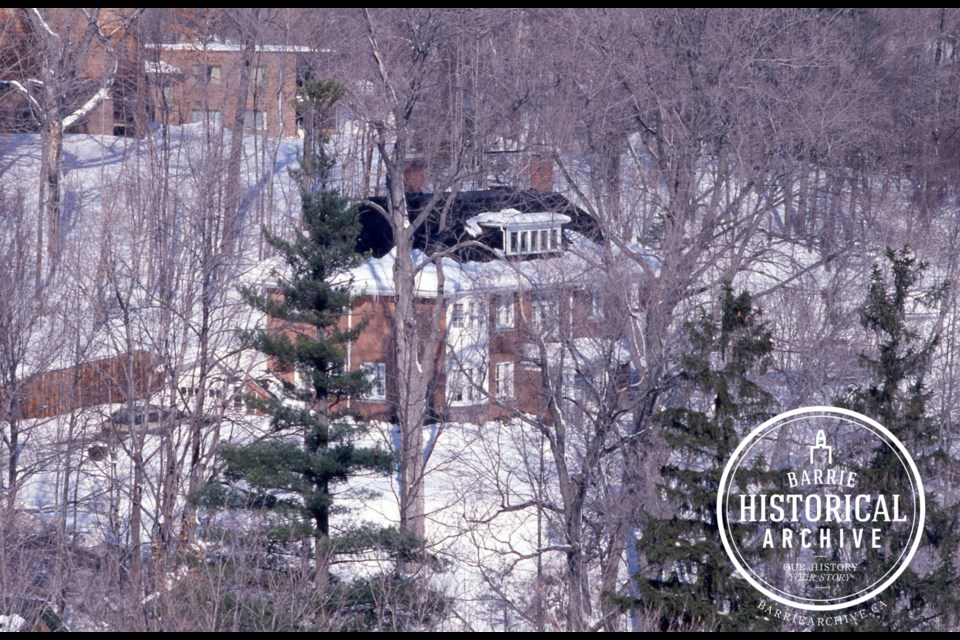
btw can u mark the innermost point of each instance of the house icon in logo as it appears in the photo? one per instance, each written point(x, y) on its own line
point(821, 445)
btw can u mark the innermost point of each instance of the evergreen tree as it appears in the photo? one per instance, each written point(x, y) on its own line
point(925, 596)
point(317, 109)
point(312, 446)
point(290, 475)
point(694, 587)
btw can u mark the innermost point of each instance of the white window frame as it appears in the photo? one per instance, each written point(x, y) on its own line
point(258, 77)
point(504, 381)
point(506, 311)
point(577, 385)
point(522, 241)
point(467, 314)
point(209, 117)
point(457, 315)
point(541, 321)
point(376, 375)
point(474, 314)
point(214, 74)
point(255, 120)
point(464, 386)
point(596, 305)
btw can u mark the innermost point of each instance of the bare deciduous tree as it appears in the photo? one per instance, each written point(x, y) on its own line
point(69, 62)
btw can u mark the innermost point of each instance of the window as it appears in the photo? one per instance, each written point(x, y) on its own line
point(505, 311)
point(504, 380)
point(578, 386)
point(214, 74)
point(376, 374)
point(456, 315)
point(255, 120)
point(466, 315)
point(541, 317)
point(537, 314)
point(206, 116)
point(527, 241)
point(474, 315)
point(168, 94)
point(464, 386)
point(259, 77)
point(458, 387)
point(238, 398)
point(596, 305)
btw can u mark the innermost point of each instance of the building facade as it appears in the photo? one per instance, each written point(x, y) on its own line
point(200, 83)
point(104, 381)
point(520, 311)
point(110, 81)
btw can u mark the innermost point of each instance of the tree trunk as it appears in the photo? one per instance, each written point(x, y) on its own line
point(231, 207)
point(54, 153)
point(578, 606)
point(411, 384)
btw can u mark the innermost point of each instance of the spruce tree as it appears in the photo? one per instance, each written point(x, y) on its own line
point(693, 586)
point(925, 597)
point(290, 475)
point(312, 446)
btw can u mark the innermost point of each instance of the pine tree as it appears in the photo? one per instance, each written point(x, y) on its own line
point(897, 397)
point(290, 475)
point(693, 587)
point(312, 446)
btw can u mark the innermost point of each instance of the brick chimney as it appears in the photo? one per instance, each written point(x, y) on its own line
point(540, 172)
point(415, 174)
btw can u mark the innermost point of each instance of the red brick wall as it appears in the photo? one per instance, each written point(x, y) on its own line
point(191, 90)
point(291, 330)
point(18, 60)
point(375, 344)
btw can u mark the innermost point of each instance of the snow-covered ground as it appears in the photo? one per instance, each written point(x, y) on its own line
point(476, 477)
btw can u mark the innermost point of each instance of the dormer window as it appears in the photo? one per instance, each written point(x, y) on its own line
point(530, 241)
point(523, 233)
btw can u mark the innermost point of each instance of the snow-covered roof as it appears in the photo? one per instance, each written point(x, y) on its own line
point(481, 215)
point(103, 175)
point(231, 47)
point(149, 66)
point(375, 275)
point(513, 219)
point(266, 272)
